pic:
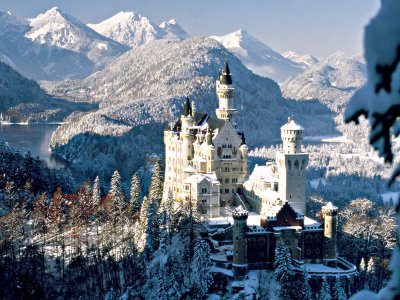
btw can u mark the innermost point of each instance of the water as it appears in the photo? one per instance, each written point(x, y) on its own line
point(34, 138)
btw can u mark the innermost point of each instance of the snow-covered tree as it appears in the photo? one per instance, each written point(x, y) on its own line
point(162, 289)
point(325, 292)
point(156, 185)
point(200, 267)
point(116, 192)
point(379, 101)
point(339, 292)
point(283, 262)
point(152, 229)
point(96, 191)
point(135, 195)
point(371, 276)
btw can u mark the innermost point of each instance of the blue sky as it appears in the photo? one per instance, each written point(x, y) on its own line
point(320, 27)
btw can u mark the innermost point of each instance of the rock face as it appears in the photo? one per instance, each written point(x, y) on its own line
point(258, 57)
point(143, 90)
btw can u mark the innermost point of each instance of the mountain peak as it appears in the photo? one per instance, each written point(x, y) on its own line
point(173, 30)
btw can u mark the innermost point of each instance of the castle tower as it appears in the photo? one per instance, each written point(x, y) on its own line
point(292, 164)
point(329, 213)
point(187, 121)
point(239, 262)
point(226, 93)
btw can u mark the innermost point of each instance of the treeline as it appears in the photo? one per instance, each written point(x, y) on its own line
point(89, 244)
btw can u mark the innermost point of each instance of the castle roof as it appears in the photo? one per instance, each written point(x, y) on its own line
point(225, 77)
point(292, 125)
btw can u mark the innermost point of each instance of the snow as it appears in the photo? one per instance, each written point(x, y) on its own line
point(387, 196)
point(316, 182)
point(215, 269)
point(329, 206)
point(292, 125)
point(258, 57)
point(306, 60)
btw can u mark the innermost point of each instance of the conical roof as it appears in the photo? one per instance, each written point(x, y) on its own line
point(226, 77)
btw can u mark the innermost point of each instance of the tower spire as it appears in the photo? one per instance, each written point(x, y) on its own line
point(226, 93)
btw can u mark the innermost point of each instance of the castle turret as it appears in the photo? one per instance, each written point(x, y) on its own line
point(292, 164)
point(187, 121)
point(226, 93)
point(329, 213)
point(239, 263)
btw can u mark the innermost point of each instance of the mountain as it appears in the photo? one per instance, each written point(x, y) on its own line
point(22, 100)
point(174, 30)
point(53, 46)
point(305, 60)
point(258, 57)
point(143, 90)
point(56, 28)
point(332, 81)
point(133, 30)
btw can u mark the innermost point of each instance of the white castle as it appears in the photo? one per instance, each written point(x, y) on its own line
point(206, 160)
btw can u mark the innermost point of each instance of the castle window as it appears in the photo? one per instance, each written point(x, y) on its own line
point(226, 169)
point(289, 164)
point(308, 238)
point(204, 190)
point(318, 238)
point(233, 191)
point(261, 254)
point(261, 241)
point(317, 251)
point(226, 191)
point(296, 164)
point(308, 252)
point(226, 180)
point(252, 242)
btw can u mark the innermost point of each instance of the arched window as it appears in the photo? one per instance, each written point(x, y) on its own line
point(296, 164)
point(252, 242)
point(308, 238)
point(308, 252)
point(261, 254)
point(317, 251)
point(261, 241)
point(289, 164)
point(318, 238)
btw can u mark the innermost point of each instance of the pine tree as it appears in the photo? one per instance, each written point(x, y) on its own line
point(152, 229)
point(371, 276)
point(162, 293)
point(117, 193)
point(96, 191)
point(325, 292)
point(283, 262)
point(135, 195)
point(200, 267)
point(338, 290)
point(156, 185)
point(362, 273)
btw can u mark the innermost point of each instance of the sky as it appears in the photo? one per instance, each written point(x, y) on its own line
point(319, 27)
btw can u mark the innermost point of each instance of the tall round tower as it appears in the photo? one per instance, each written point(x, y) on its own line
point(187, 137)
point(226, 94)
point(292, 164)
point(292, 136)
point(239, 263)
point(329, 213)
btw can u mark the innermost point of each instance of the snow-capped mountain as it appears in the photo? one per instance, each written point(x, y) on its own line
point(133, 30)
point(54, 46)
point(56, 28)
point(129, 28)
point(258, 57)
point(332, 81)
point(174, 30)
point(305, 60)
point(143, 90)
point(10, 23)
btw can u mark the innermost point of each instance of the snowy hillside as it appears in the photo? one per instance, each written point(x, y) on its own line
point(23, 100)
point(56, 28)
point(258, 57)
point(133, 30)
point(332, 81)
point(305, 60)
point(146, 87)
point(11, 23)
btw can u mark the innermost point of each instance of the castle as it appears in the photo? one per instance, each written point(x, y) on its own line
point(206, 162)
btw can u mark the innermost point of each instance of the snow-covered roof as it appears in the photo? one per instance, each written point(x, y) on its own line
point(292, 125)
point(310, 224)
point(197, 178)
point(189, 169)
point(329, 206)
point(265, 173)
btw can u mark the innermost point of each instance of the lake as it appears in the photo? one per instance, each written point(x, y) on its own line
point(34, 138)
